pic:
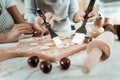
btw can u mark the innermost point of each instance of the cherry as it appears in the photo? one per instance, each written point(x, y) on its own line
point(88, 39)
point(36, 34)
point(45, 66)
point(65, 63)
point(33, 61)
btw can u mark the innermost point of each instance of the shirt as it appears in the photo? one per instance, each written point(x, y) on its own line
point(6, 20)
point(62, 9)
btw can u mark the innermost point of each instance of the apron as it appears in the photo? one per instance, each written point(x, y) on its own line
point(59, 8)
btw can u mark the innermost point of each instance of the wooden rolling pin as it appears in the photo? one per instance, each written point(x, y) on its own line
point(98, 50)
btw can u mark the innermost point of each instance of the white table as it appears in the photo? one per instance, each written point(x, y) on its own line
point(8, 45)
point(18, 69)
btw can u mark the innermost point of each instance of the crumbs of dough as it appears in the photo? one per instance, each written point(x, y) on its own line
point(44, 47)
point(34, 44)
point(49, 44)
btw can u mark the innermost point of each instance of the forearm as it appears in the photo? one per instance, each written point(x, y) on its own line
point(16, 15)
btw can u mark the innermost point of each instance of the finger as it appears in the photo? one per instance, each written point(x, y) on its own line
point(41, 27)
point(24, 26)
point(92, 13)
point(28, 26)
point(38, 24)
point(48, 16)
point(31, 25)
point(91, 19)
point(24, 32)
point(39, 19)
point(82, 13)
point(51, 21)
point(45, 30)
point(81, 18)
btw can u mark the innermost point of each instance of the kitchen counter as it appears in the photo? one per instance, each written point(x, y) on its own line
point(18, 68)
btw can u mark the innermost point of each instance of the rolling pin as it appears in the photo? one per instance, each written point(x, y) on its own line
point(98, 50)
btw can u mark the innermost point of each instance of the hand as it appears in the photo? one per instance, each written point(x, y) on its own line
point(17, 31)
point(39, 26)
point(92, 15)
point(79, 16)
point(50, 17)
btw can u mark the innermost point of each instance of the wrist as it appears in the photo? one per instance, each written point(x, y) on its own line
point(3, 38)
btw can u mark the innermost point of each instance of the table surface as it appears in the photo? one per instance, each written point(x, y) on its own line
point(18, 69)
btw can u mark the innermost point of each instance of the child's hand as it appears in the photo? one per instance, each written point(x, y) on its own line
point(39, 23)
point(79, 16)
point(17, 31)
point(50, 18)
point(92, 15)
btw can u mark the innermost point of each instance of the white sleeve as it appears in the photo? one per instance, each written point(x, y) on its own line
point(10, 3)
point(73, 8)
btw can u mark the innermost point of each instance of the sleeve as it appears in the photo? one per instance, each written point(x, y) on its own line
point(73, 8)
point(30, 10)
point(10, 3)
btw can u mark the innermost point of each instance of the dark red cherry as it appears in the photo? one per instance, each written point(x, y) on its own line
point(65, 63)
point(45, 66)
point(118, 31)
point(33, 61)
point(36, 34)
point(88, 39)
